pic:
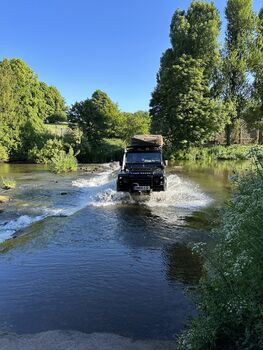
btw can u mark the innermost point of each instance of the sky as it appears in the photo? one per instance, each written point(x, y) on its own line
point(83, 45)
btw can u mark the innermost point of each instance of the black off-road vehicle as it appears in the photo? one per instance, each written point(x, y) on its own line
point(142, 168)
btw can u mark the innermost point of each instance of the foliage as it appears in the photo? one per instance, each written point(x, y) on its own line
point(57, 117)
point(106, 150)
point(135, 123)
point(103, 128)
point(187, 116)
point(230, 293)
point(237, 57)
point(195, 33)
point(63, 162)
point(98, 117)
point(25, 103)
point(3, 153)
point(233, 152)
point(183, 106)
point(254, 112)
point(58, 130)
point(50, 149)
point(73, 137)
point(7, 183)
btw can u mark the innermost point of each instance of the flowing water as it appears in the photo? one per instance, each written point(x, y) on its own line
point(77, 255)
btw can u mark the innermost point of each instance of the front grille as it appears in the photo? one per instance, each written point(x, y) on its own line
point(142, 181)
point(140, 173)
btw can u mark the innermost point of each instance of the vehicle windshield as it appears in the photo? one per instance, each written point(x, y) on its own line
point(144, 157)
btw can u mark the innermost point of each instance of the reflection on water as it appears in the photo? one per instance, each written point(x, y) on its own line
point(182, 264)
point(95, 260)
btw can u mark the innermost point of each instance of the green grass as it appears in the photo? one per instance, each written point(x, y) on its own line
point(7, 183)
point(233, 152)
point(57, 129)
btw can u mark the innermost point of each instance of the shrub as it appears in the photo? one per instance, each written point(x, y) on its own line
point(3, 153)
point(234, 152)
point(57, 117)
point(63, 162)
point(7, 183)
point(73, 137)
point(230, 295)
point(105, 150)
point(51, 148)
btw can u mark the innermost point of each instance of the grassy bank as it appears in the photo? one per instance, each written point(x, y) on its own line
point(234, 152)
point(230, 295)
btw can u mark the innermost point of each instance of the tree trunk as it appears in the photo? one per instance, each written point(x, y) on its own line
point(228, 131)
point(260, 137)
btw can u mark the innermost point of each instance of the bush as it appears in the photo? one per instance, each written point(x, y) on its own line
point(7, 183)
point(63, 162)
point(3, 153)
point(234, 152)
point(73, 137)
point(230, 295)
point(51, 148)
point(105, 150)
point(57, 118)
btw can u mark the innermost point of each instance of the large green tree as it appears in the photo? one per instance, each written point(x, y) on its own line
point(25, 103)
point(237, 57)
point(98, 117)
point(134, 123)
point(9, 109)
point(190, 116)
point(183, 107)
point(254, 115)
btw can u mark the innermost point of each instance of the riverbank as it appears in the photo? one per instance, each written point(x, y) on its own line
point(69, 340)
point(233, 152)
point(230, 293)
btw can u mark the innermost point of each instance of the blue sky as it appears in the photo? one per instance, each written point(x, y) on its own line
point(83, 45)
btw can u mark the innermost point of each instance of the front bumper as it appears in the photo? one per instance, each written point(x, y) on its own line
point(151, 182)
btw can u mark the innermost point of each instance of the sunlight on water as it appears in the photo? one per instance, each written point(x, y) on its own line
point(180, 193)
point(99, 190)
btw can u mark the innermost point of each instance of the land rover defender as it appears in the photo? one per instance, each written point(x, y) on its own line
point(142, 167)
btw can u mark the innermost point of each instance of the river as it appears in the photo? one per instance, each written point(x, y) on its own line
point(77, 255)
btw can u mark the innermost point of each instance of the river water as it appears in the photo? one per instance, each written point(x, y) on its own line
point(77, 255)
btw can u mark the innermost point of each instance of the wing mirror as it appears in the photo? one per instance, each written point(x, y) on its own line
point(120, 162)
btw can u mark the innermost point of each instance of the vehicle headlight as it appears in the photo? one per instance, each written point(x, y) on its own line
point(156, 180)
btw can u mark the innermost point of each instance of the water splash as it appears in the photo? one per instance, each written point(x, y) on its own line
point(180, 194)
point(9, 228)
point(99, 190)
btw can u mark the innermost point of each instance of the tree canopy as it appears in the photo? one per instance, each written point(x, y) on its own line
point(99, 117)
point(25, 104)
point(237, 57)
point(182, 106)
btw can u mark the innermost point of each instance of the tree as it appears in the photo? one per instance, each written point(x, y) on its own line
point(238, 48)
point(195, 33)
point(53, 107)
point(254, 115)
point(182, 107)
point(189, 115)
point(25, 103)
point(135, 123)
point(98, 117)
point(9, 118)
